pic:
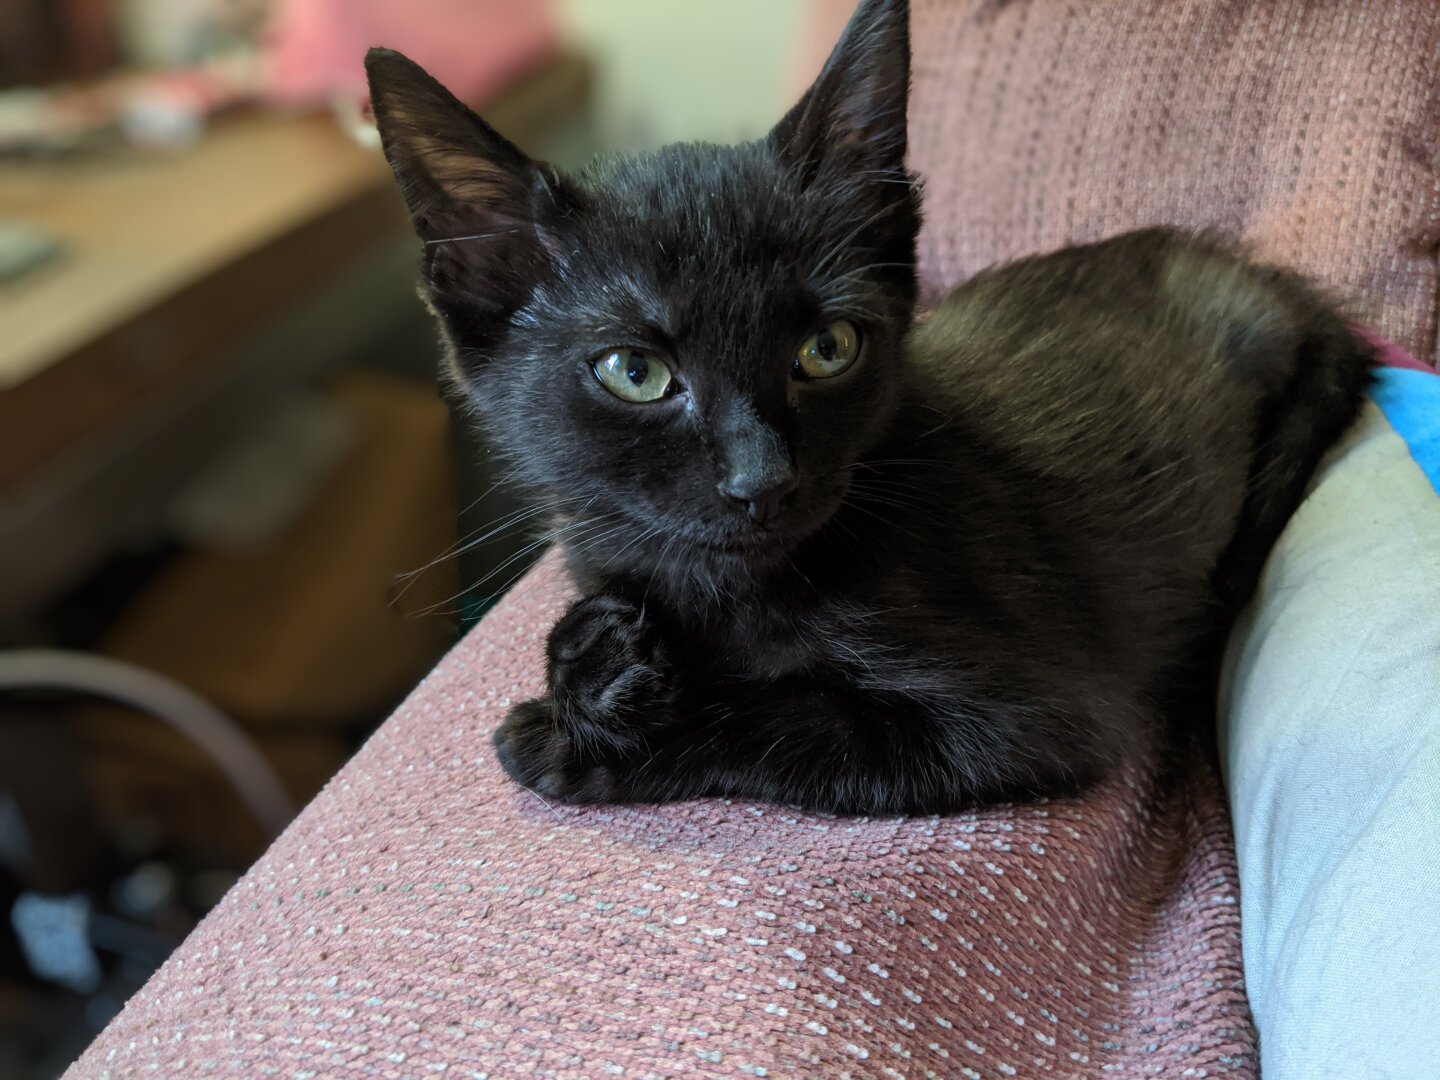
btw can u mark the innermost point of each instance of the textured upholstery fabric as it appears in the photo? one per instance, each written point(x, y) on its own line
point(1312, 129)
point(425, 912)
point(426, 916)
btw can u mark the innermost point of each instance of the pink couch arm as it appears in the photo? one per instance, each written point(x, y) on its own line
point(425, 915)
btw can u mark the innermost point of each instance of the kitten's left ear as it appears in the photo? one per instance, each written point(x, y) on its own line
point(854, 115)
point(474, 197)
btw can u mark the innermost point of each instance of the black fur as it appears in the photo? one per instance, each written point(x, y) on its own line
point(1019, 526)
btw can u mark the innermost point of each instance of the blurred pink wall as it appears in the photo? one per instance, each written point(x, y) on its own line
point(315, 48)
point(820, 30)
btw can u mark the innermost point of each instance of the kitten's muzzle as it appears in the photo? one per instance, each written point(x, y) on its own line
point(762, 491)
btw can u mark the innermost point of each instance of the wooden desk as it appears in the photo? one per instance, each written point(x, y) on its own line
point(167, 261)
point(142, 230)
point(171, 262)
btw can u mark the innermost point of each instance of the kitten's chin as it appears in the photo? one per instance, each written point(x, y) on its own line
point(758, 550)
point(761, 548)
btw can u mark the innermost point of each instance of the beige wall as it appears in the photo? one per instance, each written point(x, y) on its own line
point(719, 70)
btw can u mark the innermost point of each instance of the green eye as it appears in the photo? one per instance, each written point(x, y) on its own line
point(632, 375)
point(829, 352)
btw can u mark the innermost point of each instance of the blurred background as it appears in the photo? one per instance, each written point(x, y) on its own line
point(237, 522)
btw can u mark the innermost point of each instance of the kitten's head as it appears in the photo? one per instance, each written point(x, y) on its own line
point(692, 345)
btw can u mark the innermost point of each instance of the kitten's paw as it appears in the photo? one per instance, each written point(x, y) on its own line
point(535, 750)
point(608, 674)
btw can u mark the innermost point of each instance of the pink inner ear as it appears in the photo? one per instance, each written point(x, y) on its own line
point(476, 197)
point(469, 180)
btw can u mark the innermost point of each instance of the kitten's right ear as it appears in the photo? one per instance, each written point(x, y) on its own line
point(853, 117)
point(472, 194)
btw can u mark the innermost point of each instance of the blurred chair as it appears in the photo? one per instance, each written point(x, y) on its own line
point(165, 700)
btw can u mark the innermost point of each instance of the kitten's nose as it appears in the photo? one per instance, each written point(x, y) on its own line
point(761, 492)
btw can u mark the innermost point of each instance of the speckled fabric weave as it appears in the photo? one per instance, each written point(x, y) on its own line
point(425, 916)
point(1312, 129)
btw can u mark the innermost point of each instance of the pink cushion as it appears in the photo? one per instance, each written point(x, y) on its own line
point(426, 912)
point(1311, 129)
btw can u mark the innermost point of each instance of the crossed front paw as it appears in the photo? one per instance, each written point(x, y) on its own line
point(609, 687)
point(608, 672)
point(534, 748)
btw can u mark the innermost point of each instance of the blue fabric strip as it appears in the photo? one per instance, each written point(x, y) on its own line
point(1410, 400)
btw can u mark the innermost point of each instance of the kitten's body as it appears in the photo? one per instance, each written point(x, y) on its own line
point(1035, 560)
point(984, 561)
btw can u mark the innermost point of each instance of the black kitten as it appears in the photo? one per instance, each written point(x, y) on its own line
point(835, 556)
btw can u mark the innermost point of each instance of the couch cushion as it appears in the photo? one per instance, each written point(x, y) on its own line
point(1313, 130)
